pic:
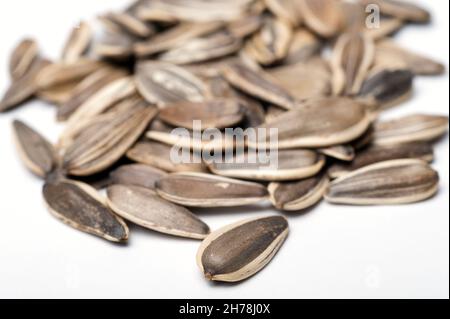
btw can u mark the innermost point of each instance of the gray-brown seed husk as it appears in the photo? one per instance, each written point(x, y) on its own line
point(341, 152)
point(79, 206)
point(380, 153)
point(298, 195)
point(78, 43)
point(411, 128)
point(401, 181)
point(145, 208)
point(319, 123)
point(238, 251)
point(325, 17)
point(158, 155)
point(258, 84)
point(217, 113)
point(290, 165)
point(22, 58)
point(137, 175)
point(205, 190)
point(36, 152)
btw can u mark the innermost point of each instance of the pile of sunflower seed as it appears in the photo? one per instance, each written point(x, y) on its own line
point(310, 68)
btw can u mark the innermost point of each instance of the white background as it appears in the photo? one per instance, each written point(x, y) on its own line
point(332, 251)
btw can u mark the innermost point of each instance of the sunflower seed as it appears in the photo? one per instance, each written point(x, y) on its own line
point(379, 153)
point(80, 206)
point(23, 88)
point(245, 26)
point(220, 113)
point(292, 165)
point(158, 155)
point(353, 56)
point(325, 17)
point(298, 195)
point(58, 73)
point(87, 88)
point(194, 10)
point(131, 24)
point(145, 208)
point(304, 80)
point(22, 58)
point(203, 49)
point(36, 152)
point(392, 182)
point(393, 57)
point(92, 153)
point(412, 128)
point(319, 123)
point(258, 84)
point(205, 190)
point(388, 26)
point(164, 83)
point(387, 88)
point(238, 251)
point(271, 43)
point(340, 152)
point(401, 9)
point(77, 43)
point(174, 36)
point(137, 175)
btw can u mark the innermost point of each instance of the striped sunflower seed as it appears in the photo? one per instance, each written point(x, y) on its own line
point(22, 58)
point(92, 152)
point(137, 175)
point(197, 50)
point(163, 83)
point(205, 190)
point(319, 123)
point(23, 88)
point(286, 10)
point(158, 155)
point(392, 182)
point(78, 43)
point(292, 165)
point(380, 153)
point(145, 208)
point(411, 128)
point(238, 251)
point(258, 84)
point(80, 206)
point(353, 56)
point(36, 152)
point(304, 45)
point(298, 195)
point(220, 113)
point(387, 88)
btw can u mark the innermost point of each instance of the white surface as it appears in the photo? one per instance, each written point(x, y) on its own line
point(332, 251)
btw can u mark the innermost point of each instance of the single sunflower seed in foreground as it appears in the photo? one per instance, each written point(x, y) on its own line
point(298, 195)
point(393, 182)
point(137, 175)
point(238, 251)
point(411, 128)
point(205, 190)
point(36, 152)
point(289, 165)
point(145, 208)
point(380, 153)
point(79, 206)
